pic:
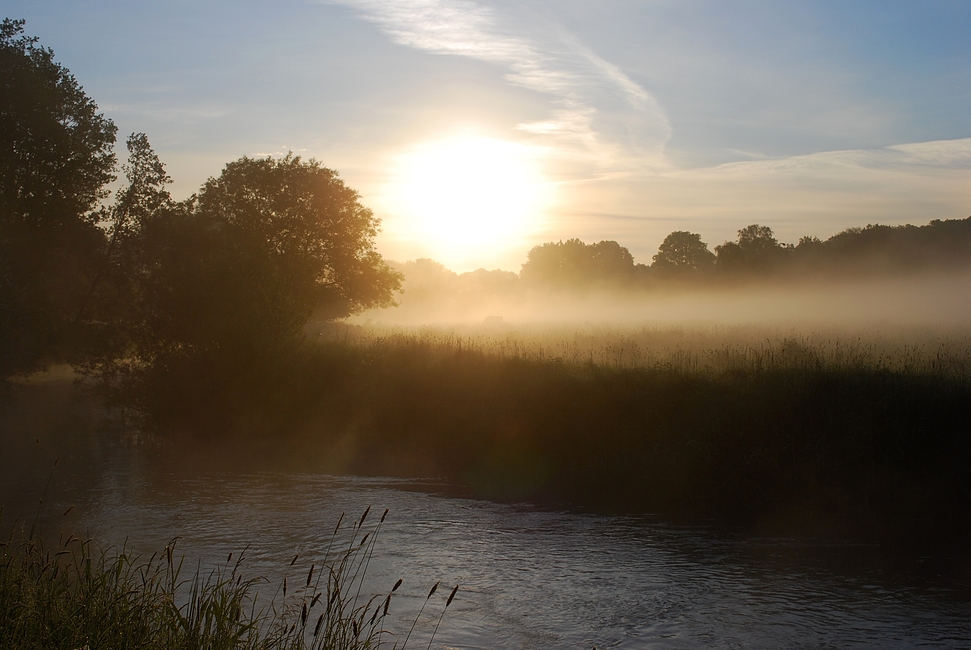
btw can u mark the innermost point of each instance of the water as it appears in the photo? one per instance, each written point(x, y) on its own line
point(530, 578)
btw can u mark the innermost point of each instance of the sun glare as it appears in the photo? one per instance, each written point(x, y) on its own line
point(467, 197)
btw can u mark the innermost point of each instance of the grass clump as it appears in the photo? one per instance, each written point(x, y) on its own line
point(74, 596)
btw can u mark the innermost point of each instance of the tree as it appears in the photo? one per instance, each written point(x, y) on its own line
point(683, 253)
point(574, 264)
point(757, 241)
point(311, 228)
point(228, 279)
point(109, 310)
point(56, 157)
point(756, 250)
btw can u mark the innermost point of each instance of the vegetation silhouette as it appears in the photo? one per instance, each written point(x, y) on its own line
point(682, 254)
point(75, 595)
point(574, 264)
point(789, 435)
point(56, 157)
point(223, 283)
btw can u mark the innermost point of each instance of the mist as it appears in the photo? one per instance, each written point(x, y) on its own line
point(432, 295)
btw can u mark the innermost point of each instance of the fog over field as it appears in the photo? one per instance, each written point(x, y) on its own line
point(495, 298)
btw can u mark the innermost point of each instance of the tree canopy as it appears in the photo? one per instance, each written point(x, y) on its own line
point(226, 280)
point(683, 253)
point(756, 250)
point(56, 157)
point(574, 264)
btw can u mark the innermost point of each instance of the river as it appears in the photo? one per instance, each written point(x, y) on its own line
point(530, 577)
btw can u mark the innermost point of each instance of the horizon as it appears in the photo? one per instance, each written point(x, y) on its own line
point(619, 121)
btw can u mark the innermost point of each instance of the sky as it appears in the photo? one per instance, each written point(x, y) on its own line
point(475, 129)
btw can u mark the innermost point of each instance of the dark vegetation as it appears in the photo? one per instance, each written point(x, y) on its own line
point(779, 438)
point(191, 314)
point(74, 595)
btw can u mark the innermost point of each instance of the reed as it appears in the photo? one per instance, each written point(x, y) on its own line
point(73, 595)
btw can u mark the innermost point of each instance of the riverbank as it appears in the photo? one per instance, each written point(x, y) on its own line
point(793, 437)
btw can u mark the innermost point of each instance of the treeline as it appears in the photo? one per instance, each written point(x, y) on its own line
point(683, 260)
point(875, 250)
point(161, 301)
point(855, 252)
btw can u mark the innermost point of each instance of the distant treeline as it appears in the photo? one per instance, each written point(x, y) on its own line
point(683, 258)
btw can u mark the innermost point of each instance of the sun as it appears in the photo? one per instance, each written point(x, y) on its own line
point(469, 196)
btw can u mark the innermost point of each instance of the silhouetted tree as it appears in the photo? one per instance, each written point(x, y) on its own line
point(683, 254)
point(110, 309)
point(574, 264)
point(228, 279)
point(756, 250)
point(881, 249)
point(56, 157)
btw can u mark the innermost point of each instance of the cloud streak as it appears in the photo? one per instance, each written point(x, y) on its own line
point(596, 108)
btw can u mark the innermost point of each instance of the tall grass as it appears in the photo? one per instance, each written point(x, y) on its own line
point(709, 350)
point(827, 428)
point(73, 595)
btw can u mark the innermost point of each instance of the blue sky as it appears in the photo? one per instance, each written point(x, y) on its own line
point(644, 116)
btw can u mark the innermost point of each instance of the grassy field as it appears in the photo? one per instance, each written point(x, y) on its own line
point(708, 349)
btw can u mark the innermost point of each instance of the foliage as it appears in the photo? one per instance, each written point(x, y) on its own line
point(574, 264)
point(887, 250)
point(223, 283)
point(310, 227)
point(55, 148)
point(683, 253)
point(56, 156)
point(757, 250)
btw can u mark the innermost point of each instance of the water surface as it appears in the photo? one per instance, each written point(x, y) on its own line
point(531, 577)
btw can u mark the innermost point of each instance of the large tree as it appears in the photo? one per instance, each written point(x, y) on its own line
point(56, 157)
point(228, 279)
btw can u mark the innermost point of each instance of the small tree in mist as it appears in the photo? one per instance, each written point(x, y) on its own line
point(683, 254)
point(573, 264)
point(756, 251)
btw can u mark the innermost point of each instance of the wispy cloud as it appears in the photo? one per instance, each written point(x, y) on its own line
point(595, 107)
point(938, 154)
